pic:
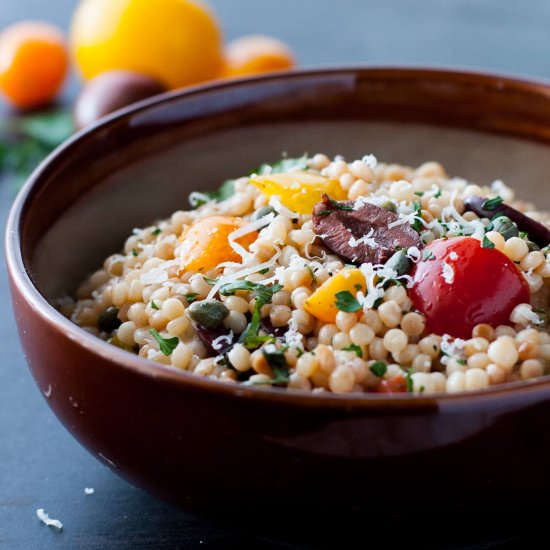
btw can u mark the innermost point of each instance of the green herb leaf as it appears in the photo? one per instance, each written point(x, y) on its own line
point(379, 368)
point(486, 243)
point(210, 281)
point(523, 235)
point(225, 191)
point(135, 252)
point(492, 204)
point(355, 349)
point(438, 194)
point(345, 301)
point(154, 305)
point(417, 223)
point(340, 206)
point(191, 297)
point(156, 231)
point(409, 380)
point(251, 337)
point(313, 277)
point(461, 361)
point(166, 345)
point(277, 361)
point(282, 166)
point(26, 140)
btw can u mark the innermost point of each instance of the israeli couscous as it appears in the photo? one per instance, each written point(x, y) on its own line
point(326, 275)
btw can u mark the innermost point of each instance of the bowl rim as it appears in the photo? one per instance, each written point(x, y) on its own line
point(119, 358)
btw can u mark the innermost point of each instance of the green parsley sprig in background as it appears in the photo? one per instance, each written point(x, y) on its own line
point(27, 139)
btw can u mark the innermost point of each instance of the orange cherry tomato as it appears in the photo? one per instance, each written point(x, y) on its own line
point(33, 63)
point(461, 284)
point(206, 244)
point(257, 54)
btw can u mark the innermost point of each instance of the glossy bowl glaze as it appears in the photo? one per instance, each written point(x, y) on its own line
point(262, 453)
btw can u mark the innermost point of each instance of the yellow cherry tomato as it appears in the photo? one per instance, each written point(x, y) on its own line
point(322, 303)
point(206, 244)
point(177, 42)
point(299, 191)
point(257, 54)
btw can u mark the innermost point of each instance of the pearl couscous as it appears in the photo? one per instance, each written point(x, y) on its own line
point(326, 275)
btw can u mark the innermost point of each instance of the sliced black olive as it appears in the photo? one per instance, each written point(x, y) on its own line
point(537, 232)
point(108, 320)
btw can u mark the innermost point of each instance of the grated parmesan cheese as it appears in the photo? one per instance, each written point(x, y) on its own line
point(218, 343)
point(46, 520)
point(365, 239)
point(242, 231)
point(448, 273)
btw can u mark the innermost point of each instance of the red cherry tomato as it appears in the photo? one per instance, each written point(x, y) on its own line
point(462, 284)
point(396, 384)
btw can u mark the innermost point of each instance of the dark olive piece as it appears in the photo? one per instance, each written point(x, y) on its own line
point(537, 232)
point(208, 313)
point(399, 262)
point(111, 91)
point(108, 320)
point(506, 227)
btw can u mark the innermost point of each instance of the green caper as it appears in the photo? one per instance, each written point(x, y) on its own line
point(389, 205)
point(399, 262)
point(505, 226)
point(208, 313)
point(532, 246)
point(108, 320)
point(264, 211)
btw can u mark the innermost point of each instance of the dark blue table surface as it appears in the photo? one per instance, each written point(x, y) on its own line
point(41, 466)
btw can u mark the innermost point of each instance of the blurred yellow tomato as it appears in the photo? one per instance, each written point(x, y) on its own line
point(177, 42)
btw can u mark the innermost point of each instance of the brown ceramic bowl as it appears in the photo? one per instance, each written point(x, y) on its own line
point(258, 452)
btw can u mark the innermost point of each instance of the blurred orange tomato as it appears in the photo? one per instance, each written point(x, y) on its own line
point(257, 54)
point(33, 63)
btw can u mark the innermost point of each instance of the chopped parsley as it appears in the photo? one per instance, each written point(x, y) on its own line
point(419, 193)
point(379, 368)
point(340, 206)
point(409, 380)
point(492, 204)
point(438, 194)
point(523, 235)
point(355, 349)
point(263, 271)
point(154, 305)
point(191, 297)
point(135, 253)
point(225, 191)
point(486, 243)
point(461, 361)
point(210, 281)
point(156, 231)
point(428, 256)
point(166, 345)
point(313, 277)
point(345, 301)
point(251, 337)
point(416, 224)
point(323, 213)
point(276, 360)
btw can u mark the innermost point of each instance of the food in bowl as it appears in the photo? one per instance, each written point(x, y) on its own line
point(326, 275)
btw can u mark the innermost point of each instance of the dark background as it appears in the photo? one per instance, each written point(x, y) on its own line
point(41, 466)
